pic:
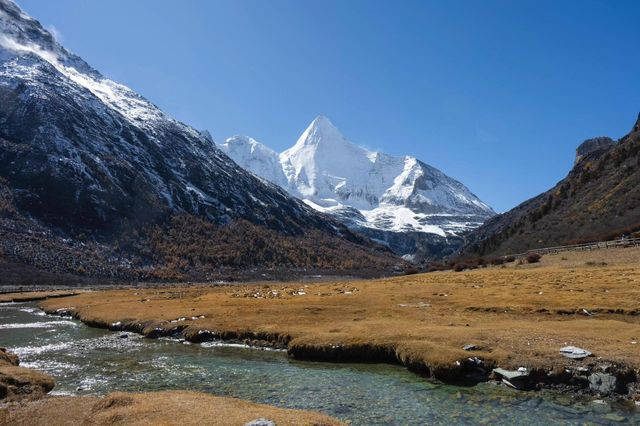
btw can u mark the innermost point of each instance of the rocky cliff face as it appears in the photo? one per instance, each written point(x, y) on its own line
point(591, 146)
point(598, 200)
point(414, 208)
point(87, 156)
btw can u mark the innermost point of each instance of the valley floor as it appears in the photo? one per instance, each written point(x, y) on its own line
point(516, 316)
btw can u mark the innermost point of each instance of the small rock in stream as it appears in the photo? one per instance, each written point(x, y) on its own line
point(613, 417)
point(603, 383)
point(517, 379)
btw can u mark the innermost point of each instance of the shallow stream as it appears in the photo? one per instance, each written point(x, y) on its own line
point(87, 361)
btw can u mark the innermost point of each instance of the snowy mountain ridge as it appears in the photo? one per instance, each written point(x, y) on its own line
point(18, 41)
point(82, 152)
point(363, 188)
point(90, 156)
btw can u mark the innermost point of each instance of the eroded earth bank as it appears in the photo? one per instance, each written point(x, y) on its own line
point(457, 327)
point(24, 401)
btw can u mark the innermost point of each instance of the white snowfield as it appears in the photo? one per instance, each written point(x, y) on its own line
point(18, 40)
point(371, 189)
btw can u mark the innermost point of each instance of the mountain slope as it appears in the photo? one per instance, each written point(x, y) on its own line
point(85, 156)
point(599, 199)
point(399, 200)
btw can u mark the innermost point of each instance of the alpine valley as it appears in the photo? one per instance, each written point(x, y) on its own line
point(95, 180)
point(149, 275)
point(415, 209)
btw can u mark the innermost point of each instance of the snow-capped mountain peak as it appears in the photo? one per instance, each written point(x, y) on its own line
point(323, 161)
point(85, 152)
point(366, 189)
point(255, 157)
point(321, 132)
point(21, 33)
point(25, 44)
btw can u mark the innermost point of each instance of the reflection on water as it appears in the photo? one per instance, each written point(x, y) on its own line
point(91, 361)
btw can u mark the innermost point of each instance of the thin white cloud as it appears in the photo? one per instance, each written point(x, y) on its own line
point(11, 44)
point(117, 96)
point(55, 32)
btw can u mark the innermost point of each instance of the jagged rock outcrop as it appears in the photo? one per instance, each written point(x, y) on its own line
point(593, 146)
point(598, 200)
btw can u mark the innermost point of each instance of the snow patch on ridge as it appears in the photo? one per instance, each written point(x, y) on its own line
point(255, 157)
point(400, 219)
point(115, 95)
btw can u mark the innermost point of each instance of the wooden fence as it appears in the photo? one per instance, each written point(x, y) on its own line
point(623, 242)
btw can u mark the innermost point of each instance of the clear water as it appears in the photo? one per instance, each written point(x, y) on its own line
point(92, 361)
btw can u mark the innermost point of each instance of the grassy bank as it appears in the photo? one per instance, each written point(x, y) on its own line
point(516, 316)
point(23, 401)
point(157, 408)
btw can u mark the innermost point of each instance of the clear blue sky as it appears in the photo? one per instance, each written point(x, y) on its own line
point(497, 94)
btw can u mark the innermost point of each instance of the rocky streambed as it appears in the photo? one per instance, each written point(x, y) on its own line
point(91, 361)
point(588, 375)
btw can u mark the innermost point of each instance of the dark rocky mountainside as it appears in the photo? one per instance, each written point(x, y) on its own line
point(87, 163)
point(598, 200)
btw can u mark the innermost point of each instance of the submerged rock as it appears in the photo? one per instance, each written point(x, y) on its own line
point(613, 417)
point(602, 383)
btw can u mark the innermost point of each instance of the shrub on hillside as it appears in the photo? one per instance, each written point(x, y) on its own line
point(533, 258)
point(459, 267)
point(187, 244)
point(437, 266)
point(412, 271)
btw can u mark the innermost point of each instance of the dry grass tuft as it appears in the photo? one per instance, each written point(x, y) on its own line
point(156, 408)
point(18, 383)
